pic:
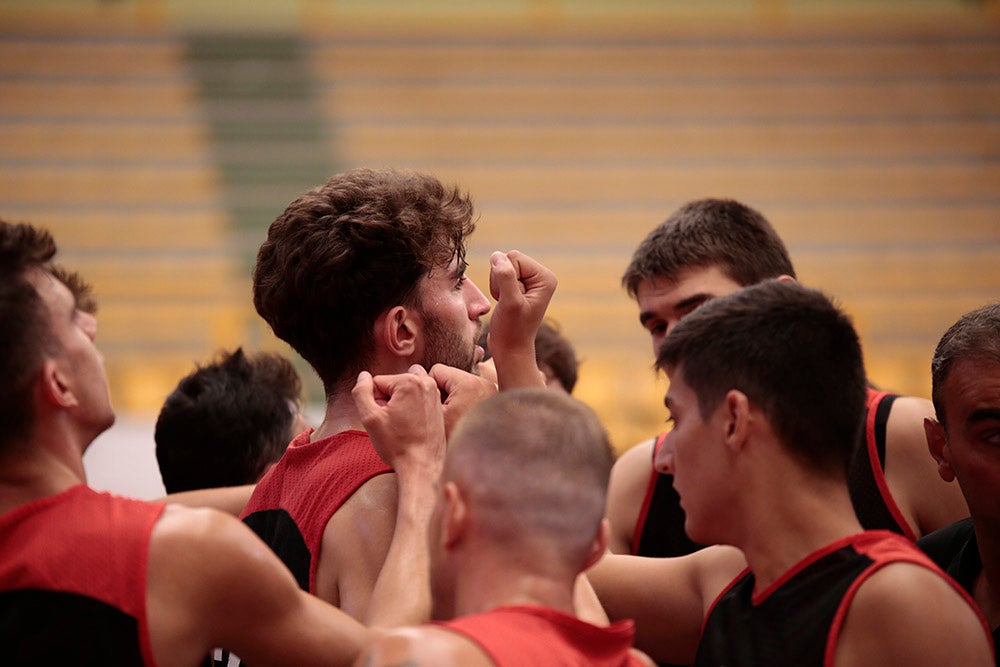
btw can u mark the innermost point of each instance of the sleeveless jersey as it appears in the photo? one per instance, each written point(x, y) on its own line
point(955, 550)
point(659, 530)
point(73, 580)
point(870, 495)
point(797, 620)
point(293, 502)
point(516, 636)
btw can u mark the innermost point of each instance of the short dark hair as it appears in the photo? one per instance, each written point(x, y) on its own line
point(711, 232)
point(793, 354)
point(976, 335)
point(24, 324)
point(343, 253)
point(226, 421)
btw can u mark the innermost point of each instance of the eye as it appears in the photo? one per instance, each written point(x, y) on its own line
point(656, 328)
point(991, 437)
point(460, 282)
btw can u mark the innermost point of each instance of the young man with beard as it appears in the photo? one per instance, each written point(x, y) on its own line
point(767, 392)
point(92, 578)
point(367, 273)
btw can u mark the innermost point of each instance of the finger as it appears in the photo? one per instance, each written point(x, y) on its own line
point(503, 277)
point(531, 273)
point(444, 375)
point(364, 395)
point(417, 369)
point(488, 370)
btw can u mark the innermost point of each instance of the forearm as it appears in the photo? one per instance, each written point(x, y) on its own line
point(230, 499)
point(517, 368)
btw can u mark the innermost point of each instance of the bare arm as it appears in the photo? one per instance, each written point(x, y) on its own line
point(906, 614)
point(667, 597)
point(626, 492)
point(230, 499)
point(213, 583)
point(926, 500)
point(523, 289)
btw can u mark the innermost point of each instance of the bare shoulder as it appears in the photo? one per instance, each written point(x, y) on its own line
point(199, 534)
point(200, 562)
point(927, 500)
point(212, 582)
point(626, 490)
point(423, 645)
point(906, 419)
point(210, 558)
point(907, 614)
point(355, 542)
point(636, 459)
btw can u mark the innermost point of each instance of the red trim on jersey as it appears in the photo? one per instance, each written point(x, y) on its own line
point(811, 558)
point(886, 552)
point(737, 579)
point(640, 522)
point(878, 472)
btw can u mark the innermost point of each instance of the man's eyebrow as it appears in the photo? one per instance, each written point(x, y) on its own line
point(460, 269)
point(983, 414)
point(683, 304)
point(693, 300)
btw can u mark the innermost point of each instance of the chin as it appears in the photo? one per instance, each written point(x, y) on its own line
point(108, 421)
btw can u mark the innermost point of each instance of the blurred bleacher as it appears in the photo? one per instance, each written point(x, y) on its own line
point(159, 139)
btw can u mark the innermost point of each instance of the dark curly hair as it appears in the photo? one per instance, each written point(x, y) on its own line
point(345, 252)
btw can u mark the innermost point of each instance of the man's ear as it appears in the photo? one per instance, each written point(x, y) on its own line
point(398, 329)
point(54, 387)
point(599, 546)
point(737, 419)
point(937, 444)
point(784, 277)
point(455, 516)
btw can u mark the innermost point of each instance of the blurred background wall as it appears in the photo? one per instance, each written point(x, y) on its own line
point(158, 140)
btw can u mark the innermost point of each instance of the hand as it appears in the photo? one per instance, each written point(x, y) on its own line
point(404, 417)
point(523, 289)
point(461, 390)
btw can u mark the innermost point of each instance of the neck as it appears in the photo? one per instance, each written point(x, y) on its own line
point(488, 582)
point(341, 415)
point(987, 588)
point(798, 516)
point(40, 468)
